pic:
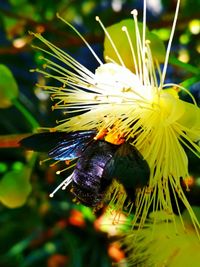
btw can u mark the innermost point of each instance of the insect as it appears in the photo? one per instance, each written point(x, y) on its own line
point(98, 162)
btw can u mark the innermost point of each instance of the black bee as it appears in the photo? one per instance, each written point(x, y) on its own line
point(98, 162)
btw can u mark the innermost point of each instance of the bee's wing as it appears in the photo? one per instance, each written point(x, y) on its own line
point(73, 146)
point(129, 168)
point(59, 145)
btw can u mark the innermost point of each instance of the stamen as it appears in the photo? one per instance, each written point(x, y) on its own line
point(111, 41)
point(134, 12)
point(54, 163)
point(78, 33)
point(158, 88)
point(64, 184)
point(124, 28)
point(138, 44)
point(63, 71)
point(152, 72)
point(169, 45)
point(65, 169)
point(192, 146)
point(110, 59)
point(173, 186)
point(182, 88)
point(188, 207)
point(44, 160)
point(64, 57)
point(144, 35)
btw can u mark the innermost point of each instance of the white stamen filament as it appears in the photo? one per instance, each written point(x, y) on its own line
point(144, 38)
point(65, 58)
point(138, 45)
point(152, 72)
point(111, 41)
point(182, 88)
point(169, 45)
point(124, 28)
point(82, 38)
point(62, 185)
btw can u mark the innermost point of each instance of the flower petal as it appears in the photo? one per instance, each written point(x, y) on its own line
point(190, 119)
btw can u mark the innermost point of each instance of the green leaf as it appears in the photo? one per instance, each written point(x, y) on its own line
point(123, 47)
point(8, 87)
point(186, 66)
point(189, 82)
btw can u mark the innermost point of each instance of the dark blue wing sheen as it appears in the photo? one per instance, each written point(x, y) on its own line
point(72, 146)
point(59, 145)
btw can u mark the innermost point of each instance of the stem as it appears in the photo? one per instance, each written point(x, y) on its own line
point(26, 114)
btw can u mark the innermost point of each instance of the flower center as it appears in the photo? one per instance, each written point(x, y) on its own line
point(119, 84)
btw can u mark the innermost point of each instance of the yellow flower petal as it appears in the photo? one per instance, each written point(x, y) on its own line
point(160, 245)
point(191, 120)
point(171, 108)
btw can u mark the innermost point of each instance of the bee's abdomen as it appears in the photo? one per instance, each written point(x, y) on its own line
point(89, 184)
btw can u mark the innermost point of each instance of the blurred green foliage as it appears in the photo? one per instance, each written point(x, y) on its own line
point(36, 230)
point(7, 81)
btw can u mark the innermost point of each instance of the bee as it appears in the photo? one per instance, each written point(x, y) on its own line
point(98, 162)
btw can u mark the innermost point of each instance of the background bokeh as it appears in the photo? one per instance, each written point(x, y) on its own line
point(55, 232)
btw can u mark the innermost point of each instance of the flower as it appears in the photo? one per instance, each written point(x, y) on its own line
point(138, 104)
point(164, 247)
